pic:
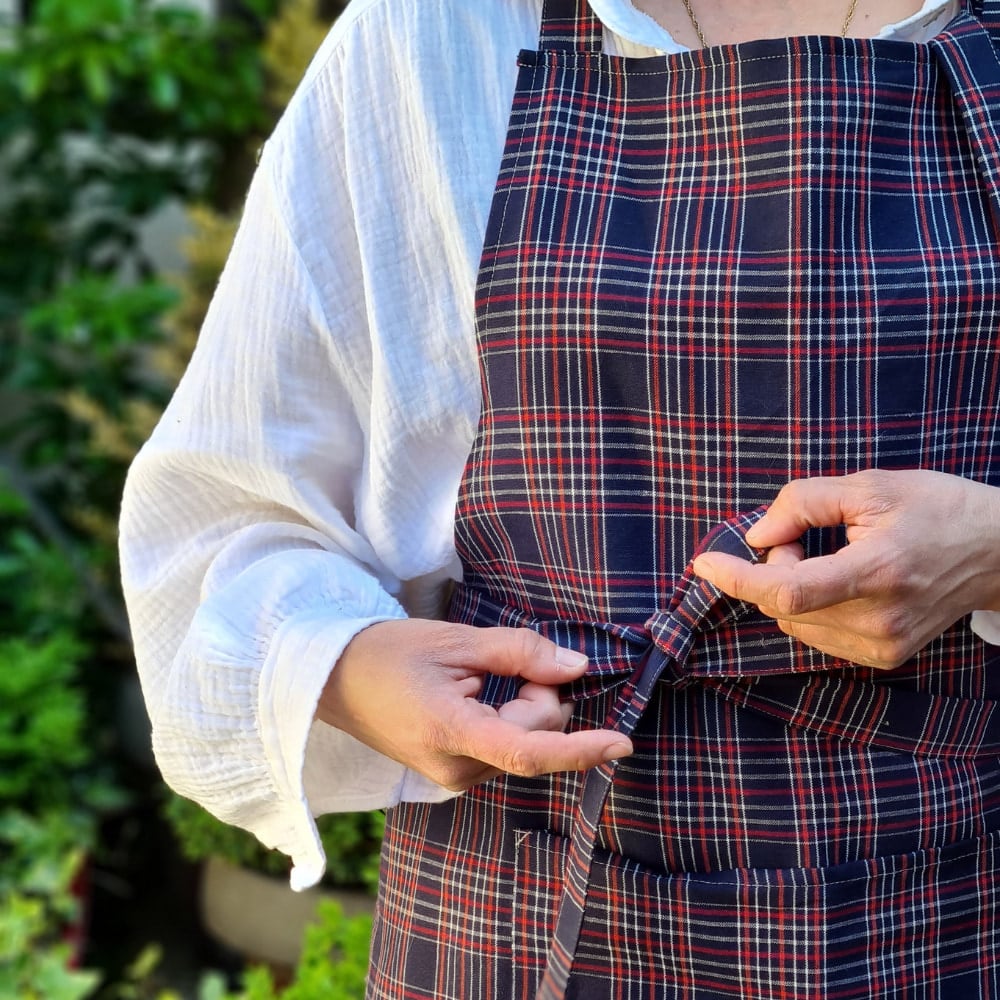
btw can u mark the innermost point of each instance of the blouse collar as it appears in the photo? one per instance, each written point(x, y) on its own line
point(632, 30)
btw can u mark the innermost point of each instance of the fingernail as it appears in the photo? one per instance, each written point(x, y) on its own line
point(617, 750)
point(570, 658)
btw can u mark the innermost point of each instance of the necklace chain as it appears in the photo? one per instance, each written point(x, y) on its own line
point(848, 18)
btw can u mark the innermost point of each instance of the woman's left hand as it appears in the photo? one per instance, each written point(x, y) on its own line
point(924, 550)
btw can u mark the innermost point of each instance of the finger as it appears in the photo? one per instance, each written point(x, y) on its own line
point(537, 707)
point(788, 591)
point(842, 644)
point(833, 642)
point(508, 747)
point(516, 652)
point(800, 505)
point(785, 555)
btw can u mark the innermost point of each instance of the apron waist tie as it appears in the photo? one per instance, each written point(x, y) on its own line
point(596, 786)
point(727, 646)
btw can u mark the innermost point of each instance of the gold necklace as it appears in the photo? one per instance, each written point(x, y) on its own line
point(851, 9)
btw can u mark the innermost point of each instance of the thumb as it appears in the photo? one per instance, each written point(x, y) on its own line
point(800, 505)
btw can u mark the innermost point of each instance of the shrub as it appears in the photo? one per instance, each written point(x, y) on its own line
point(352, 842)
point(333, 965)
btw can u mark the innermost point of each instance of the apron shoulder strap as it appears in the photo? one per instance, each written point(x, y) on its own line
point(968, 52)
point(570, 25)
point(988, 12)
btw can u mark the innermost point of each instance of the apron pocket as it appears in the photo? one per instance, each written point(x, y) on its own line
point(918, 925)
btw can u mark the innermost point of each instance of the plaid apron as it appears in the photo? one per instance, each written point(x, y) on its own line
point(705, 275)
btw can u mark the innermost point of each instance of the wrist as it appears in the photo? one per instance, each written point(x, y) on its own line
point(337, 705)
point(985, 519)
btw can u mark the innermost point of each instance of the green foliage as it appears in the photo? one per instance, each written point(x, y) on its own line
point(44, 835)
point(109, 110)
point(127, 68)
point(41, 718)
point(333, 964)
point(129, 58)
point(352, 842)
point(45, 832)
point(42, 853)
point(47, 737)
point(85, 330)
point(52, 794)
point(39, 590)
point(33, 964)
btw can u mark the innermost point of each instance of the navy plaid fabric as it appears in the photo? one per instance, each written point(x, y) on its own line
point(705, 275)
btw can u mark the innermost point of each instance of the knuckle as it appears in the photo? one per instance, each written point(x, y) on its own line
point(893, 654)
point(898, 627)
point(794, 489)
point(795, 495)
point(884, 660)
point(891, 643)
point(893, 629)
point(558, 718)
point(785, 627)
point(529, 644)
point(553, 714)
point(550, 719)
point(516, 761)
point(789, 600)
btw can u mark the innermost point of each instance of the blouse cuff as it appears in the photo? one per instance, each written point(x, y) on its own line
point(986, 624)
point(292, 679)
point(323, 769)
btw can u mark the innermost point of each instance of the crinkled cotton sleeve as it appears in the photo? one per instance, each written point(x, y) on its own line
point(244, 565)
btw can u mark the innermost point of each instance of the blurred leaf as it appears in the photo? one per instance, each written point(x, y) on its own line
point(96, 77)
point(67, 15)
point(32, 81)
point(165, 90)
point(56, 980)
point(20, 921)
point(212, 987)
point(11, 503)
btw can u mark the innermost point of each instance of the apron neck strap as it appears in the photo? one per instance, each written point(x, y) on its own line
point(570, 25)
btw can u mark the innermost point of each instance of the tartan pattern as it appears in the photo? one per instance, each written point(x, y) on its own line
point(790, 826)
point(733, 934)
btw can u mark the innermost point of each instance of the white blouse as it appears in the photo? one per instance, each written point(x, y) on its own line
point(301, 484)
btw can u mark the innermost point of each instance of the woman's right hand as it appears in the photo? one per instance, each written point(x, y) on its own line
point(408, 689)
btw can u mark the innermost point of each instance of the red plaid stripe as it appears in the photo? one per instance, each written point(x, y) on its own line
point(705, 275)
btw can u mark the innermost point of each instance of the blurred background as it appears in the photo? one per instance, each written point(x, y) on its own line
point(128, 132)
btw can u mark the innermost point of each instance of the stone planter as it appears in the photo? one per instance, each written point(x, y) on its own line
point(259, 917)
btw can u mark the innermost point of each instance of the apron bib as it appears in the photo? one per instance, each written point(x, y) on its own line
point(705, 275)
